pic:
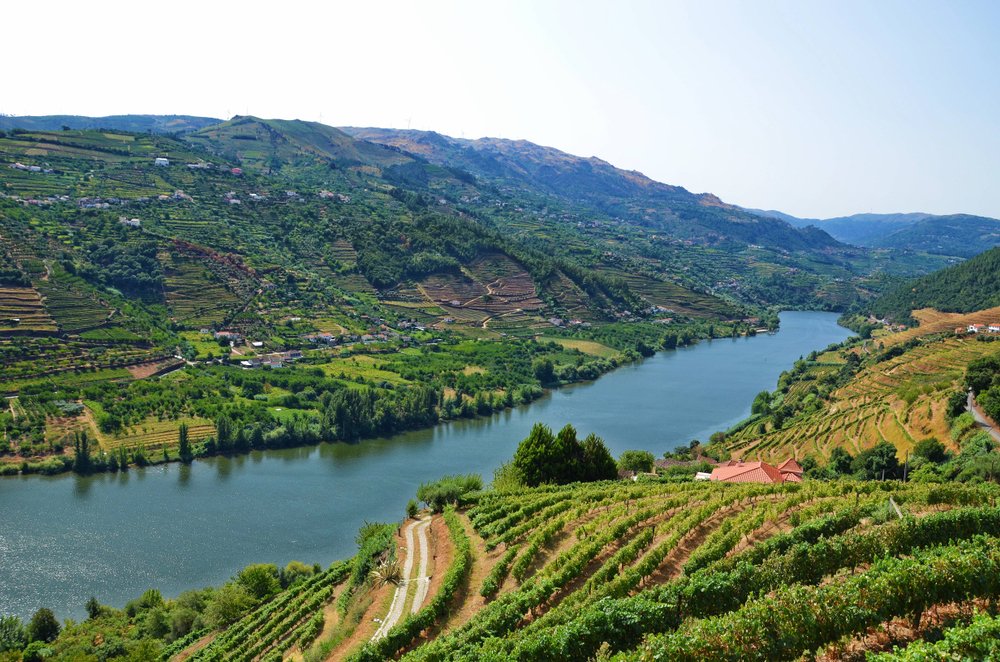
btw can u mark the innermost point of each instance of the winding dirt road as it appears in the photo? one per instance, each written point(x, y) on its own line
point(422, 581)
point(980, 417)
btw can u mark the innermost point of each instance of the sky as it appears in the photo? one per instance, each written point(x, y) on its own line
point(819, 108)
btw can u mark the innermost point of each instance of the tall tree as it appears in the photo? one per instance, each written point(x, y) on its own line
point(183, 444)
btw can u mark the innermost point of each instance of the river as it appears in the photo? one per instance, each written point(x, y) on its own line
point(66, 538)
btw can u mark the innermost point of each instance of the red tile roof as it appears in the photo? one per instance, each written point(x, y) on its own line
point(790, 466)
point(747, 472)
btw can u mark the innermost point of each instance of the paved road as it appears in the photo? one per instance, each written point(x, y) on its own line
point(981, 419)
point(399, 597)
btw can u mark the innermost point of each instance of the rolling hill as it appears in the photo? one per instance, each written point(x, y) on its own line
point(130, 123)
point(961, 235)
point(963, 288)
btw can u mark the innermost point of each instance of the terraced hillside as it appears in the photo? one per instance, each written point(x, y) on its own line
point(647, 570)
point(902, 399)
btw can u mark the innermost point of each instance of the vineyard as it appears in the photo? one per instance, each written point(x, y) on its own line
point(658, 571)
point(900, 400)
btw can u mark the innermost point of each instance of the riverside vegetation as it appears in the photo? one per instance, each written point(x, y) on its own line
point(369, 291)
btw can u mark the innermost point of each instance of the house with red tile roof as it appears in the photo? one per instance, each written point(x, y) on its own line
point(791, 470)
point(737, 471)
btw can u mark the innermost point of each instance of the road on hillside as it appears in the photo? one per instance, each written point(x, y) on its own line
point(973, 407)
point(421, 580)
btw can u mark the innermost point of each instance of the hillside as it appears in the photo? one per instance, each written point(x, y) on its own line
point(972, 285)
point(280, 250)
point(129, 123)
point(297, 256)
point(593, 182)
point(961, 235)
point(854, 398)
point(648, 570)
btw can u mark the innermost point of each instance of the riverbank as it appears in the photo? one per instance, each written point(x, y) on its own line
point(294, 418)
point(179, 526)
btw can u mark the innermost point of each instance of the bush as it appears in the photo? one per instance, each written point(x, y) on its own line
point(638, 461)
point(448, 490)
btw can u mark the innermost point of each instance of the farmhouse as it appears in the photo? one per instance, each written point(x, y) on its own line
point(160, 161)
point(976, 328)
point(737, 471)
point(995, 327)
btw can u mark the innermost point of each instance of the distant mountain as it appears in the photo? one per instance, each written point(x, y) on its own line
point(132, 123)
point(594, 183)
point(966, 287)
point(961, 235)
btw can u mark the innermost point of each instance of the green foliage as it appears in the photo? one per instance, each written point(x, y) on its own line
point(963, 288)
point(546, 458)
point(261, 580)
point(13, 634)
point(638, 461)
point(977, 640)
point(931, 450)
point(877, 463)
point(448, 490)
point(43, 626)
point(227, 605)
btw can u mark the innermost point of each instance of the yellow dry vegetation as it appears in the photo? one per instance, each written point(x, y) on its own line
point(901, 400)
point(934, 321)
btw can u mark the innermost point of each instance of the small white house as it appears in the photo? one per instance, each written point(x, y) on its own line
point(976, 328)
point(160, 161)
point(995, 327)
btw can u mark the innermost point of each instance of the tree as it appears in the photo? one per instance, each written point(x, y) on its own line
point(840, 462)
point(81, 453)
point(261, 580)
point(228, 604)
point(224, 433)
point(644, 349)
point(597, 461)
point(761, 403)
point(43, 626)
point(13, 636)
point(877, 462)
point(533, 454)
point(638, 461)
point(544, 371)
point(183, 444)
point(931, 450)
point(94, 608)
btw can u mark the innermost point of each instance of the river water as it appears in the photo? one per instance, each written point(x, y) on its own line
point(66, 538)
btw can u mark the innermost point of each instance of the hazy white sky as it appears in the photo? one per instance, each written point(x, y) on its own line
point(816, 108)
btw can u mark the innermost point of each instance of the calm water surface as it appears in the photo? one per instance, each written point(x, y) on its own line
point(65, 538)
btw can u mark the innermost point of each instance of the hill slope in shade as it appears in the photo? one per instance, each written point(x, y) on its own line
point(963, 288)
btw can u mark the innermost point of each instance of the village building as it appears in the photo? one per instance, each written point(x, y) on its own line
point(738, 471)
point(994, 328)
point(976, 328)
point(160, 161)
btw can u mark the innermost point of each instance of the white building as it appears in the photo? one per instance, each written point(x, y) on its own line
point(160, 161)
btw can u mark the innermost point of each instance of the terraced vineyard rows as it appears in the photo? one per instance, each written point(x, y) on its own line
point(660, 570)
point(21, 308)
point(901, 400)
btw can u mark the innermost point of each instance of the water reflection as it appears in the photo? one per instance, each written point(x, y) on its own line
point(113, 536)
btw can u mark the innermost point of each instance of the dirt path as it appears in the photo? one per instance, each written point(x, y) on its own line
point(399, 597)
point(981, 419)
point(422, 579)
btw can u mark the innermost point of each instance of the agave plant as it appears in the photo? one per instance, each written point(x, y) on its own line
point(387, 572)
